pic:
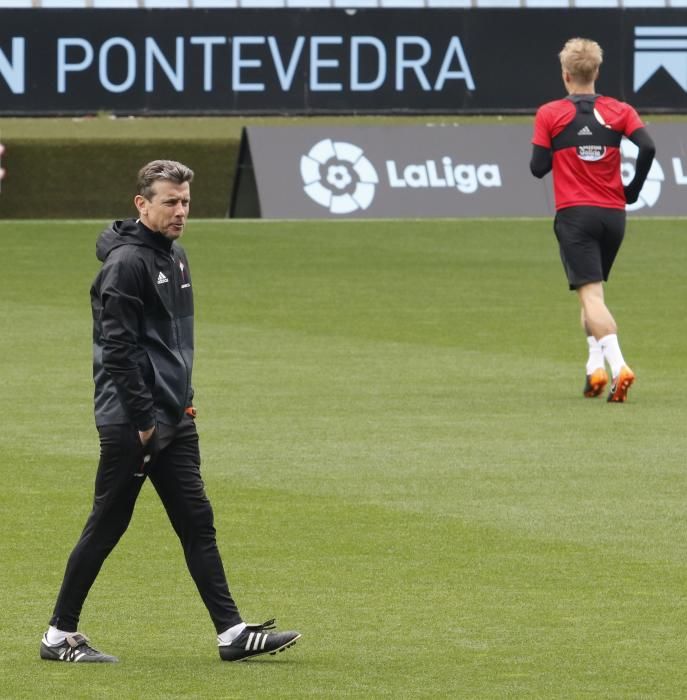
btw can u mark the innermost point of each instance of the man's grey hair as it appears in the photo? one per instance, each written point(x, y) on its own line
point(156, 170)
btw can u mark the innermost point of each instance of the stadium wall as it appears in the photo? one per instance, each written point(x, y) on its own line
point(349, 58)
point(328, 61)
point(71, 178)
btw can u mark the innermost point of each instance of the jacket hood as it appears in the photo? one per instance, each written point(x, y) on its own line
point(128, 232)
point(117, 234)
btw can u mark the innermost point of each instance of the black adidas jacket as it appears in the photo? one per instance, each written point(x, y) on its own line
point(142, 303)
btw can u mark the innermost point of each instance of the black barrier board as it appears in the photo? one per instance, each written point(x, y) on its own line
point(426, 172)
point(244, 203)
point(328, 61)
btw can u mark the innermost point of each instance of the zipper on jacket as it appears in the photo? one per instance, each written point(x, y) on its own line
point(177, 332)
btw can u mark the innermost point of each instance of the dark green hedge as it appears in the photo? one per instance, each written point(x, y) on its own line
point(96, 178)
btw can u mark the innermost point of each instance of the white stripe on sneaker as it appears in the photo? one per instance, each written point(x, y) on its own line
point(250, 640)
point(264, 639)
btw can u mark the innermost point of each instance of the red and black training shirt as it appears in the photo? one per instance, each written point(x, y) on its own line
point(584, 134)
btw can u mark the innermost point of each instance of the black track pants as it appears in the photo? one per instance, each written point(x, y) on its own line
point(177, 480)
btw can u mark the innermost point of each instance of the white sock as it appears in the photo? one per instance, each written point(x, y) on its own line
point(611, 350)
point(228, 636)
point(596, 357)
point(55, 637)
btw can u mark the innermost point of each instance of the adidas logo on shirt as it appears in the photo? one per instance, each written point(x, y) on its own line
point(161, 279)
point(584, 131)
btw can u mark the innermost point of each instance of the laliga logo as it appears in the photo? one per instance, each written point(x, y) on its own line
point(338, 176)
point(652, 186)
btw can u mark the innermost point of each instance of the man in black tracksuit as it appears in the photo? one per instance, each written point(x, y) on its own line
point(142, 302)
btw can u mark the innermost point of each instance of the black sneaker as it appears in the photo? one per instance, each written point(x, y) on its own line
point(75, 648)
point(256, 640)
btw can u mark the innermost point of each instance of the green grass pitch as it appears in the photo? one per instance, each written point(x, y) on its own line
point(400, 460)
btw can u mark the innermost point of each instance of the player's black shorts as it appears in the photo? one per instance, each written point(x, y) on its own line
point(589, 239)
